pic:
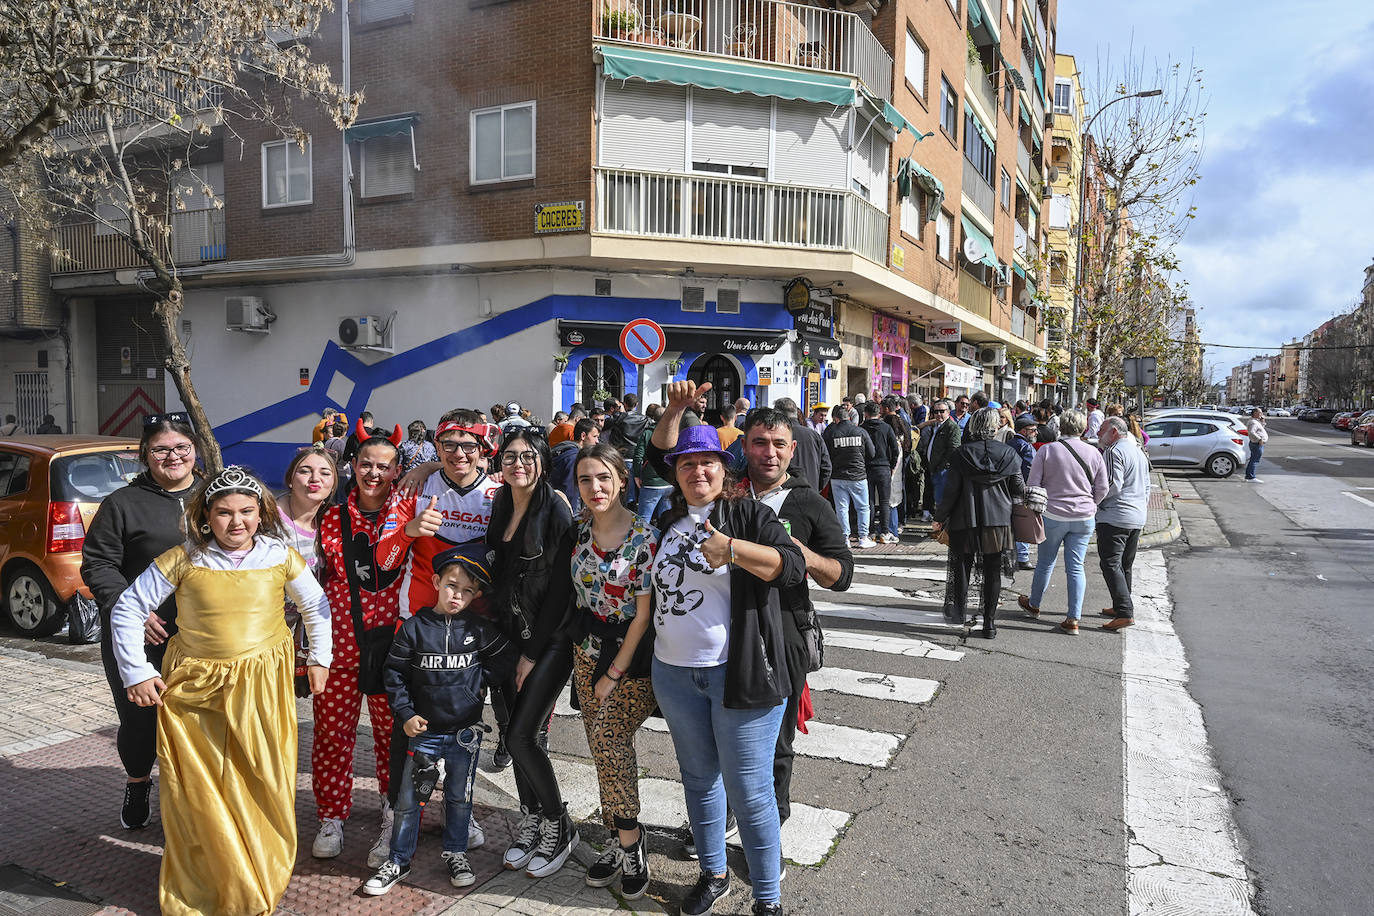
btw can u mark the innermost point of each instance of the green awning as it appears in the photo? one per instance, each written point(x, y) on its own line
point(910, 172)
point(980, 15)
point(978, 125)
point(1020, 271)
point(973, 232)
point(975, 14)
point(894, 117)
point(731, 75)
point(390, 127)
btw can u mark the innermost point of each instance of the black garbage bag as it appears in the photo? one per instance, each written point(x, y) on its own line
point(83, 621)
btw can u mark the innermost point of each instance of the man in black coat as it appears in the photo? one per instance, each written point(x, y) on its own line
point(887, 455)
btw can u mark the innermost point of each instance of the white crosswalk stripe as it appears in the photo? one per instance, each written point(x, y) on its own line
point(811, 832)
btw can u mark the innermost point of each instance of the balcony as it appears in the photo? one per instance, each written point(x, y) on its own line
point(982, 88)
point(197, 237)
point(1019, 324)
point(978, 190)
point(1019, 239)
point(738, 210)
point(769, 31)
point(142, 105)
point(1023, 159)
point(1040, 34)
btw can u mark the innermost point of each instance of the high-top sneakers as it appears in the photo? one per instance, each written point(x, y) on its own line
point(705, 893)
point(607, 868)
point(135, 811)
point(329, 841)
point(385, 879)
point(526, 839)
point(557, 837)
point(460, 873)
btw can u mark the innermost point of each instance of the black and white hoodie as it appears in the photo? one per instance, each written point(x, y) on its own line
point(439, 666)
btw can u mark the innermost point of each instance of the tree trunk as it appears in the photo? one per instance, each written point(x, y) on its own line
point(168, 312)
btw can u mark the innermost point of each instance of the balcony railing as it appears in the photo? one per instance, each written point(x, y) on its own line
point(978, 190)
point(1018, 323)
point(139, 105)
point(764, 30)
point(982, 88)
point(698, 207)
point(1019, 237)
point(1023, 159)
point(197, 237)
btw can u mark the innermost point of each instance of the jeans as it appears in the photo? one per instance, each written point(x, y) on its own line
point(1022, 552)
point(879, 495)
point(1252, 466)
point(1115, 556)
point(459, 753)
point(845, 493)
point(724, 753)
point(1073, 537)
point(631, 488)
point(650, 498)
point(937, 484)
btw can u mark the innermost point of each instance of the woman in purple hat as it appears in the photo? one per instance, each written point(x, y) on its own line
point(720, 670)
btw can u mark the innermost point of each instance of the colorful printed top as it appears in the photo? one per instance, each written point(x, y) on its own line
point(606, 583)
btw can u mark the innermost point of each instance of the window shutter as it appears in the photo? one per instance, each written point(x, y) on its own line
point(811, 145)
point(377, 10)
point(870, 167)
point(388, 166)
point(644, 126)
point(1059, 211)
point(730, 128)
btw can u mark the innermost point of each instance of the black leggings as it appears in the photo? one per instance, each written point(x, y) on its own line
point(137, 737)
point(530, 709)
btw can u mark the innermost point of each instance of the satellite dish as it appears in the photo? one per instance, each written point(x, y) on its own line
point(1024, 300)
point(1054, 174)
point(973, 249)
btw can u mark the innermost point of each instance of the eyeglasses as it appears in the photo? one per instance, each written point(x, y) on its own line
point(450, 446)
point(176, 416)
point(162, 453)
point(940, 410)
point(509, 459)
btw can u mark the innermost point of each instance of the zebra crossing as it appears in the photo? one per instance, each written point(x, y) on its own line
point(858, 678)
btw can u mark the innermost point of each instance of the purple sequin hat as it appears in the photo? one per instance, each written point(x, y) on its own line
point(699, 438)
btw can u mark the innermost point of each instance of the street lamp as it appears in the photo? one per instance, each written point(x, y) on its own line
point(1078, 253)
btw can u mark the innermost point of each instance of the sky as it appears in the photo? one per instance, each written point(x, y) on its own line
point(1285, 206)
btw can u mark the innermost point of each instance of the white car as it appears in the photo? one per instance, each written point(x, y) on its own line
point(1194, 413)
point(1280, 412)
point(1186, 442)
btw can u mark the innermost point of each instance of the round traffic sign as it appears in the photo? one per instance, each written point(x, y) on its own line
point(642, 341)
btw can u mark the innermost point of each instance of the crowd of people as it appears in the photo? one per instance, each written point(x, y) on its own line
point(658, 559)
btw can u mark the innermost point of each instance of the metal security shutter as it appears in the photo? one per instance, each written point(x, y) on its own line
point(811, 145)
point(388, 165)
point(870, 166)
point(644, 126)
point(730, 128)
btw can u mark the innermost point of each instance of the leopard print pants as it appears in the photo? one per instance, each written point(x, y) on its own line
point(611, 728)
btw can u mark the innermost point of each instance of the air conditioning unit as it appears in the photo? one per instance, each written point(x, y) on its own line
point(992, 356)
point(246, 313)
point(361, 331)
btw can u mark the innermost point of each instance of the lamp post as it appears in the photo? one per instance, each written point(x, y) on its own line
point(1078, 250)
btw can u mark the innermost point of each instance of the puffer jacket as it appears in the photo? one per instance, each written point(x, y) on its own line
point(983, 478)
point(439, 666)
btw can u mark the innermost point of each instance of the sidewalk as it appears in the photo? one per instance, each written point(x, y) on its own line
point(59, 799)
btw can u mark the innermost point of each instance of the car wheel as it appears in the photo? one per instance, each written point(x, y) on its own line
point(1221, 465)
point(30, 603)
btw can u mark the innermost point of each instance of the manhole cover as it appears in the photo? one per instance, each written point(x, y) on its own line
point(23, 894)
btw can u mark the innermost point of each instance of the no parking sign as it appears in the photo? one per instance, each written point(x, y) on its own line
point(642, 341)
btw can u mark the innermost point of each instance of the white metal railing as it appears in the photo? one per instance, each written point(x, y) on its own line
point(197, 236)
point(1023, 159)
point(1019, 236)
point(978, 81)
point(139, 104)
point(977, 189)
point(665, 205)
point(772, 31)
point(1018, 322)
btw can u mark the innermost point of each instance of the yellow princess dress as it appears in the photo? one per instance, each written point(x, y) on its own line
point(226, 742)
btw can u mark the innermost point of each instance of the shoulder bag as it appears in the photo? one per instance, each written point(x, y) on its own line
point(373, 645)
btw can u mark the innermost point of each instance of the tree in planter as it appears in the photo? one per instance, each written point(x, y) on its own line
point(108, 106)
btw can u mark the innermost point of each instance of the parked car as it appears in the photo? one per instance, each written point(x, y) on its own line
point(1321, 415)
point(1280, 412)
point(1342, 419)
point(50, 487)
point(1185, 442)
point(1362, 430)
point(1193, 413)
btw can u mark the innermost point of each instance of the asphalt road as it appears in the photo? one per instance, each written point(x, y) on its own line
point(1277, 631)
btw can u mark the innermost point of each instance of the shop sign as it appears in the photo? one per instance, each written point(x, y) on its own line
point(960, 377)
point(765, 375)
point(821, 349)
point(967, 352)
point(814, 319)
point(796, 295)
point(944, 331)
point(564, 216)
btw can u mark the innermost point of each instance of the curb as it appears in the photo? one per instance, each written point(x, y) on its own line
point(1174, 529)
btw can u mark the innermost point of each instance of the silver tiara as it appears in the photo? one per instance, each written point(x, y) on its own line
point(233, 479)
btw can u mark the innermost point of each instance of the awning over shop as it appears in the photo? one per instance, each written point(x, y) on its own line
point(820, 347)
point(605, 335)
point(731, 75)
point(972, 231)
point(958, 374)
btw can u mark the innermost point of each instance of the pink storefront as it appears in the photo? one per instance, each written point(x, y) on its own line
point(891, 350)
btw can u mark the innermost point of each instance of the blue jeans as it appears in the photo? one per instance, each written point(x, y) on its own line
point(937, 483)
point(631, 488)
point(845, 493)
point(459, 753)
point(1022, 552)
point(649, 500)
point(1073, 537)
point(1252, 466)
point(725, 753)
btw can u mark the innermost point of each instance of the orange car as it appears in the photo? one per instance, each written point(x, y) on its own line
point(50, 487)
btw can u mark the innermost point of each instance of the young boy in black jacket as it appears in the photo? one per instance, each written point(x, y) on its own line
point(441, 663)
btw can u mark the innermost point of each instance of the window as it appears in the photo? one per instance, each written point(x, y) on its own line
point(916, 66)
point(388, 165)
point(944, 231)
point(954, 5)
point(1000, 284)
point(1063, 97)
point(725, 168)
point(381, 10)
point(1011, 12)
point(502, 141)
point(914, 213)
point(977, 150)
point(1059, 268)
point(1009, 100)
point(285, 174)
point(14, 473)
point(949, 109)
point(1006, 190)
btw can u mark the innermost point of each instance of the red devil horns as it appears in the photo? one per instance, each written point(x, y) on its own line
point(363, 434)
point(395, 436)
point(360, 431)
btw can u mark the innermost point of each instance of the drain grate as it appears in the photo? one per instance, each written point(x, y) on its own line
point(25, 894)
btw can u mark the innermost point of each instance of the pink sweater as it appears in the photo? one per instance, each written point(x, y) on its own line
point(1072, 496)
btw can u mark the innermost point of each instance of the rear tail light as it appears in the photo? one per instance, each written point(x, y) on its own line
point(65, 530)
point(1238, 441)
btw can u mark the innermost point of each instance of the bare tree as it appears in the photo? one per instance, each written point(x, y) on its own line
point(104, 106)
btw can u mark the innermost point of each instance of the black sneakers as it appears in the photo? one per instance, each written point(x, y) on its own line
point(557, 837)
point(766, 909)
point(731, 833)
point(634, 871)
point(135, 811)
point(500, 758)
point(705, 893)
point(606, 869)
point(385, 879)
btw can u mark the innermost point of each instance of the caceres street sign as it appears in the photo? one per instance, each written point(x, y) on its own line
point(564, 216)
point(642, 341)
point(1140, 371)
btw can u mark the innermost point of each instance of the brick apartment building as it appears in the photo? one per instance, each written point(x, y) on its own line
point(526, 177)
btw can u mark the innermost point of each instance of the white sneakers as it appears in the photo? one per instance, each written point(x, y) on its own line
point(890, 539)
point(867, 543)
point(329, 841)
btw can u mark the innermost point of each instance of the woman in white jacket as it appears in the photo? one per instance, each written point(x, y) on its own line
point(1258, 436)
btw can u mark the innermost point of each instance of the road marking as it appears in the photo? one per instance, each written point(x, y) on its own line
point(1183, 850)
point(1310, 458)
point(1330, 443)
point(919, 572)
point(892, 645)
point(884, 591)
point(1358, 498)
point(875, 686)
point(907, 615)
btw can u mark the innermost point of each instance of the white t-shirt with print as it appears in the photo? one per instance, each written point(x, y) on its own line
point(691, 600)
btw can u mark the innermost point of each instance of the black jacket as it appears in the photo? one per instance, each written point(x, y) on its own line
point(811, 460)
point(946, 436)
point(439, 666)
point(623, 432)
point(132, 528)
point(561, 474)
point(523, 567)
point(811, 519)
point(851, 450)
point(887, 451)
point(983, 478)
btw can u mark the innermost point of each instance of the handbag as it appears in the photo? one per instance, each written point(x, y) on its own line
point(1027, 525)
point(374, 645)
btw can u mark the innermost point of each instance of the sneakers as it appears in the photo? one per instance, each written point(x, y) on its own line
point(634, 866)
point(766, 909)
point(867, 543)
point(890, 539)
point(1026, 606)
point(382, 848)
point(477, 837)
point(500, 758)
point(1253, 480)
point(526, 839)
point(731, 833)
point(329, 841)
point(385, 879)
point(926, 517)
point(607, 868)
point(134, 813)
point(557, 837)
point(1119, 623)
point(1069, 625)
point(705, 893)
point(459, 871)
